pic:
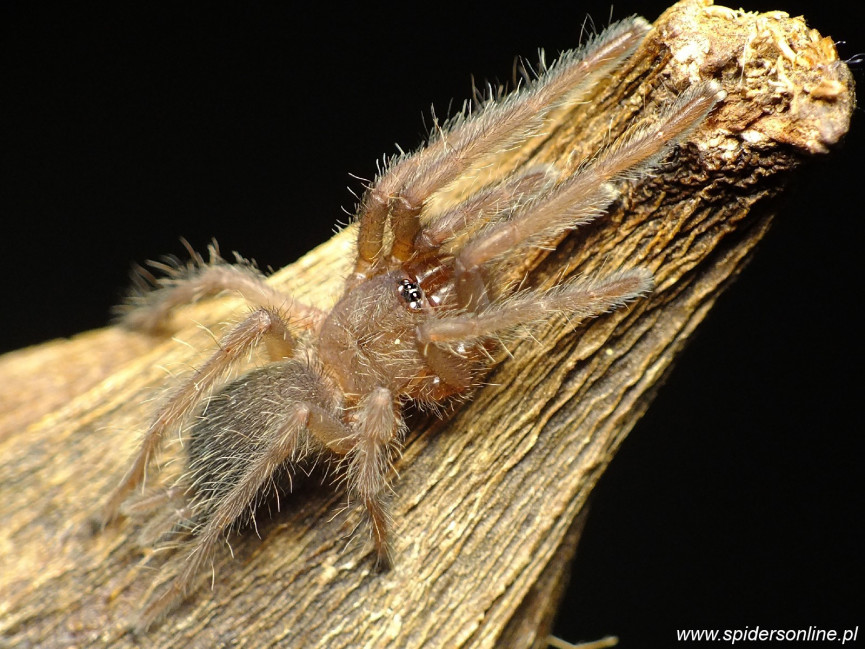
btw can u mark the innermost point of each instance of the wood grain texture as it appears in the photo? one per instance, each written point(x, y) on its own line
point(487, 505)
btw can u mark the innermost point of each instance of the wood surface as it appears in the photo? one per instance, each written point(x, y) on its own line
point(487, 505)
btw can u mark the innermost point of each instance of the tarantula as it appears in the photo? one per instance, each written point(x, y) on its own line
point(421, 315)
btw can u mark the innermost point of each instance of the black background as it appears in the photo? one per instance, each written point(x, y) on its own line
point(737, 500)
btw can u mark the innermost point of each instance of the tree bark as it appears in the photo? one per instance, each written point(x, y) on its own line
point(488, 504)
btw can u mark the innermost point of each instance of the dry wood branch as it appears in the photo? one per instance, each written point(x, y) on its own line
point(486, 504)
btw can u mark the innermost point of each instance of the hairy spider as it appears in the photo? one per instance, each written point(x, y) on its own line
point(421, 315)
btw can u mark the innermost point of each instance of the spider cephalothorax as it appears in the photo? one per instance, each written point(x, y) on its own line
point(421, 314)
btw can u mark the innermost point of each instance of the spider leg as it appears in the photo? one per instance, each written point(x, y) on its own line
point(377, 427)
point(402, 191)
point(186, 284)
point(161, 512)
point(578, 299)
point(580, 198)
point(485, 206)
point(263, 325)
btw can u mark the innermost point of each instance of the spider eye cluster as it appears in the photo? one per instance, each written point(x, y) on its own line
point(411, 293)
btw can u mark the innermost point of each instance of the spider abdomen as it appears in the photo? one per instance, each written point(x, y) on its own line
point(233, 430)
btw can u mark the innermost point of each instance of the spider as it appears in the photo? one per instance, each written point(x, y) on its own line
point(421, 317)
